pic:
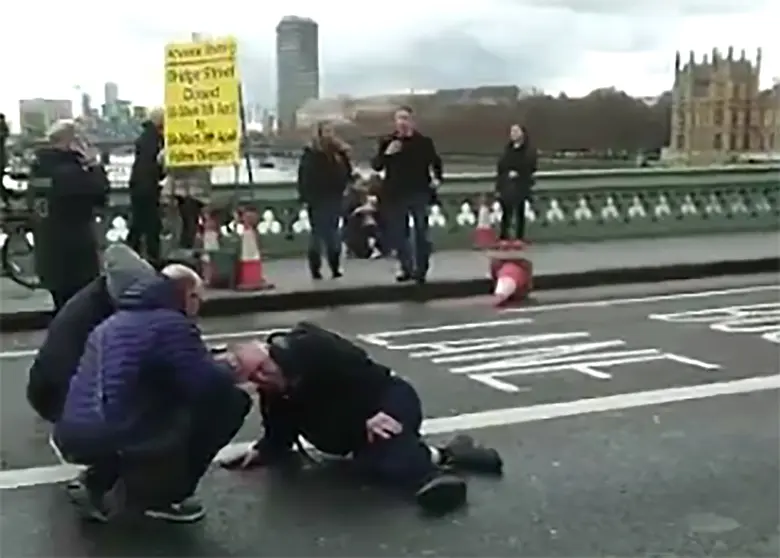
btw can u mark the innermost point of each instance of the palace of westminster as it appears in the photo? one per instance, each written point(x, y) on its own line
point(719, 110)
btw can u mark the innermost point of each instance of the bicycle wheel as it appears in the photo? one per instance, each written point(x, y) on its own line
point(18, 259)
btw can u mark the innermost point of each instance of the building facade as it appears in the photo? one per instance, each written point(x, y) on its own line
point(297, 67)
point(719, 111)
point(37, 115)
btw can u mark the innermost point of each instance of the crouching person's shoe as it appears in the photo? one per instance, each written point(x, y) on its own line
point(188, 511)
point(463, 454)
point(94, 505)
point(442, 494)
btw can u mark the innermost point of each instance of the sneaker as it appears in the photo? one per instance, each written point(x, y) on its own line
point(90, 504)
point(188, 511)
point(442, 494)
point(403, 277)
point(462, 453)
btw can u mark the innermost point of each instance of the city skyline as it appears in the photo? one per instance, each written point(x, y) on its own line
point(552, 46)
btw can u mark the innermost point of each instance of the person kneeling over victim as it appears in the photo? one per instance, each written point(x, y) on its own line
point(315, 384)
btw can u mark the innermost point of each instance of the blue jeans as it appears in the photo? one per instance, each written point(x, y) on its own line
point(324, 218)
point(403, 460)
point(396, 214)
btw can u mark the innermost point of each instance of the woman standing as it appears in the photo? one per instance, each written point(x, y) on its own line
point(514, 180)
point(324, 172)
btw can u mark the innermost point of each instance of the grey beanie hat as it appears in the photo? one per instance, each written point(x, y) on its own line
point(123, 268)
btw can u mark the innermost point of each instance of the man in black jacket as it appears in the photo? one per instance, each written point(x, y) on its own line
point(407, 157)
point(145, 176)
point(4, 133)
point(316, 384)
point(69, 185)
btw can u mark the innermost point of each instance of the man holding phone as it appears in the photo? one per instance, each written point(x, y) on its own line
point(407, 158)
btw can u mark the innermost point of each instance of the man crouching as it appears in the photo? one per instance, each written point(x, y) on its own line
point(149, 405)
point(316, 384)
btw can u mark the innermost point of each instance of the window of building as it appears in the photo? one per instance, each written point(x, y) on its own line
point(771, 141)
point(732, 142)
point(717, 114)
point(734, 118)
point(680, 141)
point(701, 88)
point(746, 142)
point(681, 117)
point(717, 142)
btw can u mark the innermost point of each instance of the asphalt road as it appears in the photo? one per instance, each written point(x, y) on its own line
point(680, 459)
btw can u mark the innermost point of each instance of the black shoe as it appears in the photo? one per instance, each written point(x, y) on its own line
point(403, 277)
point(188, 511)
point(336, 273)
point(420, 279)
point(462, 453)
point(442, 494)
point(316, 275)
point(90, 504)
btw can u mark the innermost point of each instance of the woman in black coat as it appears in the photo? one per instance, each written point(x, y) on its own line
point(324, 172)
point(514, 181)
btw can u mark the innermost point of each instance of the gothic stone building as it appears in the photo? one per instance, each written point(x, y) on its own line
point(719, 111)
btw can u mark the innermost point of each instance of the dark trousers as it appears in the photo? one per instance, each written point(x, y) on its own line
point(324, 218)
point(189, 215)
point(413, 256)
point(167, 466)
point(512, 209)
point(145, 226)
point(403, 460)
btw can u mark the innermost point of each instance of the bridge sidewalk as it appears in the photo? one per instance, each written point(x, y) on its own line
point(463, 273)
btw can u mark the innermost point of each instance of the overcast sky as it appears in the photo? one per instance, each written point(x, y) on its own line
point(571, 45)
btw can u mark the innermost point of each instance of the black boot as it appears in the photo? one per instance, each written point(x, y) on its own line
point(463, 454)
point(443, 493)
point(334, 262)
point(315, 263)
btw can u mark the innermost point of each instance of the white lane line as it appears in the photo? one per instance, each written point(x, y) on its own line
point(607, 302)
point(35, 476)
point(225, 336)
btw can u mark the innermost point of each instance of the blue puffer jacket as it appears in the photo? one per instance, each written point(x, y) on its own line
point(144, 360)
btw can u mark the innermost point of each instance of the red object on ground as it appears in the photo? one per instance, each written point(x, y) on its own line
point(511, 272)
point(249, 275)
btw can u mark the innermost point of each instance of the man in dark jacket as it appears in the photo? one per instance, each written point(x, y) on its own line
point(145, 176)
point(407, 157)
point(4, 133)
point(69, 185)
point(514, 180)
point(149, 403)
point(58, 357)
point(318, 385)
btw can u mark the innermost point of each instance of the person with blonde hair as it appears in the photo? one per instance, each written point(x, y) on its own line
point(324, 172)
point(69, 184)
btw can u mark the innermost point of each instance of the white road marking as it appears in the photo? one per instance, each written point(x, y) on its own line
point(607, 302)
point(35, 476)
point(226, 336)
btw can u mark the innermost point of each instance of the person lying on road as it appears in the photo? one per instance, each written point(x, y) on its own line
point(316, 384)
point(149, 404)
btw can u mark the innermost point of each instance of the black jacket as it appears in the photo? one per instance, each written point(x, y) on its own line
point(523, 161)
point(335, 388)
point(408, 172)
point(322, 177)
point(66, 245)
point(146, 172)
point(58, 357)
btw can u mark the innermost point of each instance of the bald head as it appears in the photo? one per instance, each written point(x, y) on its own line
point(190, 285)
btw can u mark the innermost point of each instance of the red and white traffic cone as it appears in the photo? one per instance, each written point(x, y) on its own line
point(484, 235)
point(210, 239)
point(249, 275)
point(512, 281)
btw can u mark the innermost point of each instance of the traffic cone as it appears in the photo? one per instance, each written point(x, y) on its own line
point(210, 239)
point(249, 275)
point(484, 235)
point(511, 281)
